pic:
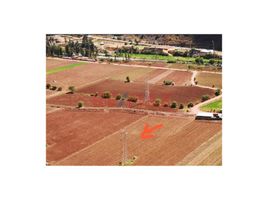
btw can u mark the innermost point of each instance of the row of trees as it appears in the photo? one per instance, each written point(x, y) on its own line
point(86, 48)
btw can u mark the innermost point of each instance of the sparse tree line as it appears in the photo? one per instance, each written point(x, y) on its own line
point(86, 48)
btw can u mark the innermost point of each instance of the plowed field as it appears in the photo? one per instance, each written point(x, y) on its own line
point(177, 138)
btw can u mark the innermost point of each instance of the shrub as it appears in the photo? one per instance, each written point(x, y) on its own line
point(167, 82)
point(80, 104)
point(171, 61)
point(48, 86)
point(106, 95)
point(205, 98)
point(59, 88)
point(190, 105)
point(118, 97)
point(199, 61)
point(53, 87)
point(217, 92)
point(71, 89)
point(173, 104)
point(157, 102)
point(127, 79)
point(132, 99)
point(166, 105)
point(181, 106)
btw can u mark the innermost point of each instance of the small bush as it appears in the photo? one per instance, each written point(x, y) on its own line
point(80, 104)
point(174, 104)
point(127, 79)
point(48, 86)
point(59, 88)
point(171, 61)
point(211, 61)
point(218, 92)
point(53, 87)
point(106, 95)
point(205, 98)
point(199, 61)
point(157, 102)
point(181, 106)
point(71, 89)
point(132, 99)
point(190, 105)
point(118, 97)
point(166, 105)
point(168, 82)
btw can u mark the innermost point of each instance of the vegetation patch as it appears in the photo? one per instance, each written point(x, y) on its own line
point(62, 68)
point(215, 106)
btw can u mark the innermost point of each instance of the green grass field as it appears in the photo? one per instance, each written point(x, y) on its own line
point(62, 68)
point(166, 58)
point(216, 105)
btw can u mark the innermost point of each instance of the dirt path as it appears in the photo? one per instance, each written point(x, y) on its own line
point(193, 76)
point(159, 77)
point(196, 108)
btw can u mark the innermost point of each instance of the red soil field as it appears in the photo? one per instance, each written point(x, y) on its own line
point(71, 131)
point(166, 93)
point(73, 99)
point(177, 138)
point(52, 63)
point(180, 78)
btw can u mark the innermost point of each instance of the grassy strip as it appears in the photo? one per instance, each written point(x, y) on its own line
point(167, 58)
point(62, 68)
point(216, 105)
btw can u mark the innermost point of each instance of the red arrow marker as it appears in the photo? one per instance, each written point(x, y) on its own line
point(147, 132)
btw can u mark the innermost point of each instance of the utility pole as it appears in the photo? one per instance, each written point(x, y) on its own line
point(147, 92)
point(213, 46)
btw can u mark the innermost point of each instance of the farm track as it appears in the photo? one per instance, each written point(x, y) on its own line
point(159, 77)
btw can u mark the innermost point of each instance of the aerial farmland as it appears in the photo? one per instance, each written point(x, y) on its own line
point(133, 100)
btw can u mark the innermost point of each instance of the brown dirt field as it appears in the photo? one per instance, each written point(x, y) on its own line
point(177, 146)
point(179, 77)
point(166, 93)
point(209, 79)
point(177, 138)
point(52, 63)
point(209, 153)
point(194, 67)
point(150, 75)
point(82, 75)
point(71, 131)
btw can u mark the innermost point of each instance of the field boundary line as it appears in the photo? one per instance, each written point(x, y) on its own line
point(89, 146)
